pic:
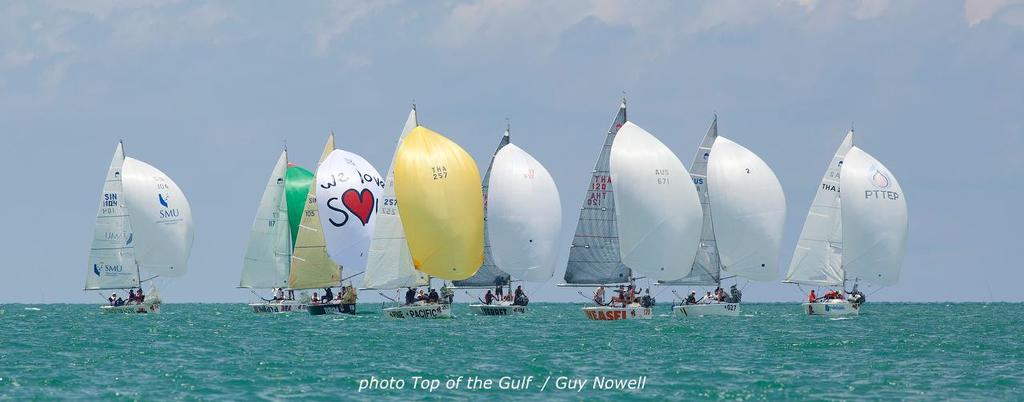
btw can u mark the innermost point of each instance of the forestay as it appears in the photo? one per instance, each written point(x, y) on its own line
point(311, 266)
point(437, 185)
point(874, 220)
point(268, 253)
point(819, 251)
point(389, 263)
point(112, 257)
point(348, 190)
point(594, 254)
point(489, 274)
point(658, 213)
point(161, 219)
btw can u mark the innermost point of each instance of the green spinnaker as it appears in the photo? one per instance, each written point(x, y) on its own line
point(296, 187)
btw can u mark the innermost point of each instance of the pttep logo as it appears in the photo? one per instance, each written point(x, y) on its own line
point(879, 179)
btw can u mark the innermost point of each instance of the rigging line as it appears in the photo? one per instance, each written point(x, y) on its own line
point(386, 297)
point(876, 290)
point(258, 296)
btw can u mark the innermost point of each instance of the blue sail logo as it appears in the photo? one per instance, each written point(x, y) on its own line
point(96, 269)
point(163, 200)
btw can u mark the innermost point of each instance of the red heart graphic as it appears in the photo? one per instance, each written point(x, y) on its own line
point(360, 203)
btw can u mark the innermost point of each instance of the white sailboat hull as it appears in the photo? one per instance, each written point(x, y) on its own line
point(608, 313)
point(150, 307)
point(420, 311)
point(700, 310)
point(832, 308)
point(496, 309)
point(275, 307)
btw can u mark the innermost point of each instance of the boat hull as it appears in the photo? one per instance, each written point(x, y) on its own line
point(496, 309)
point(277, 307)
point(832, 308)
point(608, 313)
point(144, 308)
point(425, 311)
point(700, 310)
point(322, 309)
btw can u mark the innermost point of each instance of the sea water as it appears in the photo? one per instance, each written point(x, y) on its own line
point(772, 351)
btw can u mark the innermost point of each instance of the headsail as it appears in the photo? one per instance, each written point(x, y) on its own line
point(748, 209)
point(297, 182)
point(594, 254)
point(161, 219)
point(348, 189)
point(818, 256)
point(112, 255)
point(524, 215)
point(438, 186)
point(706, 268)
point(874, 220)
point(268, 254)
point(312, 267)
point(389, 263)
point(658, 214)
point(489, 274)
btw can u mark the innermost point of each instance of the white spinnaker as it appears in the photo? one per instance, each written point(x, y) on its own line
point(748, 209)
point(348, 189)
point(389, 262)
point(112, 255)
point(268, 253)
point(658, 213)
point(874, 220)
point(818, 257)
point(524, 215)
point(161, 219)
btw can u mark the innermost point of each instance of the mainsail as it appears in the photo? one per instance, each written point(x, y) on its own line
point(524, 215)
point(111, 257)
point(268, 253)
point(348, 189)
point(706, 268)
point(312, 267)
point(659, 214)
point(819, 252)
point(874, 220)
point(594, 254)
point(438, 186)
point(489, 274)
point(161, 219)
point(389, 263)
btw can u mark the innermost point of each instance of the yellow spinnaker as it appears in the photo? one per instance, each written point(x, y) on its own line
point(437, 185)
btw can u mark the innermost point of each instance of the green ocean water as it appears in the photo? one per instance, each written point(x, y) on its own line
point(224, 352)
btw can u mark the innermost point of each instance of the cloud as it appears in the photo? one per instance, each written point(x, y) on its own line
point(978, 11)
point(339, 18)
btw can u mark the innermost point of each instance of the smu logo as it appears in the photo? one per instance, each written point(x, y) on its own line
point(98, 269)
point(165, 202)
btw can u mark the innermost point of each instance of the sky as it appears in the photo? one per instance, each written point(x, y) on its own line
point(209, 92)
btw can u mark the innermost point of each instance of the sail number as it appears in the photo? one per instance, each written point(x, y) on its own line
point(661, 175)
point(439, 172)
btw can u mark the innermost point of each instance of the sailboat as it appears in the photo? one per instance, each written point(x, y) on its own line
point(641, 215)
point(523, 220)
point(143, 226)
point(348, 190)
point(439, 232)
point(268, 254)
point(744, 212)
point(857, 234)
point(311, 265)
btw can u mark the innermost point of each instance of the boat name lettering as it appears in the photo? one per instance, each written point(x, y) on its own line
point(881, 195)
